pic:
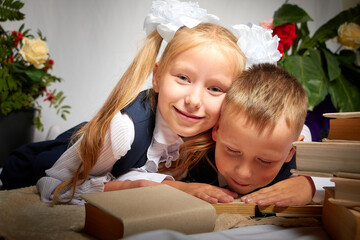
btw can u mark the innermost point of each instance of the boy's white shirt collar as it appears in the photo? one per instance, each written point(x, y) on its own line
point(164, 146)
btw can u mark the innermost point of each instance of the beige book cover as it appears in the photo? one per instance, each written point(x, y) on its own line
point(116, 214)
point(342, 115)
point(328, 157)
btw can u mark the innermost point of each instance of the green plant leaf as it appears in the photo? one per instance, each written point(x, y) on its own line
point(35, 75)
point(344, 95)
point(333, 68)
point(329, 29)
point(10, 10)
point(308, 70)
point(289, 13)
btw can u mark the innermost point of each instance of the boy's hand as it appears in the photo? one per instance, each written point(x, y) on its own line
point(294, 191)
point(206, 192)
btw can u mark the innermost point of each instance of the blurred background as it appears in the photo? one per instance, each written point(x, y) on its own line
point(92, 42)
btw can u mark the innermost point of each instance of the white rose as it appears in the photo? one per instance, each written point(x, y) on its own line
point(168, 16)
point(35, 51)
point(257, 43)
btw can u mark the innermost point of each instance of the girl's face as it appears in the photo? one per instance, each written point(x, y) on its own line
point(192, 88)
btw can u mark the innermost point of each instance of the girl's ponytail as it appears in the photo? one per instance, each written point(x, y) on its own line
point(125, 91)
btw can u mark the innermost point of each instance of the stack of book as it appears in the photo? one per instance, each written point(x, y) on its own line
point(338, 157)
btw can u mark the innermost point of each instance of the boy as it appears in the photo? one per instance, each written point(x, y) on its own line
point(263, 113)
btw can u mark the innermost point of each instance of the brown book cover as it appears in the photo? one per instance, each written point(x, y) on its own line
point(311, 210)
point(340, 222)
point(250, 209)
point(344, 126)
point(347, 192)
point(117, 214)
point(236, 207)
point(328, 157)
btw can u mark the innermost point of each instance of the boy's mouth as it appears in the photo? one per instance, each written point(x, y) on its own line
point(240, 184)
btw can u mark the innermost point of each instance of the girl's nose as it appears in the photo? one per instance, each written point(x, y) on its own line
point(193, 100)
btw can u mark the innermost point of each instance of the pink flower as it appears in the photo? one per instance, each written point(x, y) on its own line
point(267, 23)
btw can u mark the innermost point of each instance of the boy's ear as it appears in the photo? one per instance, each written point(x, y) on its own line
point(215, 131)
point(155, 79)
point(290, 155)
point(301, 138)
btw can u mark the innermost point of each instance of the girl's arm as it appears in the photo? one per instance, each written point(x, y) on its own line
point(117, 143)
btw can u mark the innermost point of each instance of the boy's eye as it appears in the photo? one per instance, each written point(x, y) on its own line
point(232, 151)
point(264, 161)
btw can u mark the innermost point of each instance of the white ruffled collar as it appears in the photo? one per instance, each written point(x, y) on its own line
point(164, 146)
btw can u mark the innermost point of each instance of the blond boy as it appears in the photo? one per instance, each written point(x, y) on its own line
point(264, 112)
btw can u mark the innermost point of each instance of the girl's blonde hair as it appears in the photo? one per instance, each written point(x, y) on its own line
point(131, 83)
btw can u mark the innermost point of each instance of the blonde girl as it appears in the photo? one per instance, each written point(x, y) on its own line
point(190, 80)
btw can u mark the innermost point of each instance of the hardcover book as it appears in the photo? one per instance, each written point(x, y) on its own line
point(344, 126)
point(328, 157)
point(346, 192)
point(118, 214)
point(340, 222)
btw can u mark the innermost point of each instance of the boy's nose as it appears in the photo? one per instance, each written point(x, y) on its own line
point(243, 171)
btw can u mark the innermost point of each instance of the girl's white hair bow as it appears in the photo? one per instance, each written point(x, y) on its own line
point(167, 16)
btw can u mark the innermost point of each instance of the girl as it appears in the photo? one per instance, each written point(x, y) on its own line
point(190, 81)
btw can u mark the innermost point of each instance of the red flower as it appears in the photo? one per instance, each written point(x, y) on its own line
point(10, 59)
point(18, 36)
point(48, 64)
point(287, 34)
point(50, 96)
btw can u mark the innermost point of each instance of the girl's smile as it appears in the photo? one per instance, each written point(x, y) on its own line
point(187, 116)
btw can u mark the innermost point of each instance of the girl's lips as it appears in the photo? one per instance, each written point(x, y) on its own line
point(187, 116)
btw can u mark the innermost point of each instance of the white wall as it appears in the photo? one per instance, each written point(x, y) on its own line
point(93, 42)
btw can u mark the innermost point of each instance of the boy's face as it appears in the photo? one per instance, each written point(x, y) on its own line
point(249, 160)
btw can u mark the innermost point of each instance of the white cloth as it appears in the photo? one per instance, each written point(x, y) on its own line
point(163, 148)
point(119, 138)
point(118, 141)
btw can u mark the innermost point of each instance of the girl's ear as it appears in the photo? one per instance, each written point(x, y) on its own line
point(156, 78)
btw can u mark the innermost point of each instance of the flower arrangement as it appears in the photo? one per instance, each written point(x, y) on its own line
point(25, 67)
point(321, 71)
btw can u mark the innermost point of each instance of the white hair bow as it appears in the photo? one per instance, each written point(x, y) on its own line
point(167, 16)
point(257, 43)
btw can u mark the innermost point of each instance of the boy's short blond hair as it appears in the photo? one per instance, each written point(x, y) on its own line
point(264, 94)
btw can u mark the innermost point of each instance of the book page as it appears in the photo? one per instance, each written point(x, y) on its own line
point(342, 115)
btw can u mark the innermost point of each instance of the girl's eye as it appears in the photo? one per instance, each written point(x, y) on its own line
point(264, 161)
point(216, 90)
point(183, 78)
